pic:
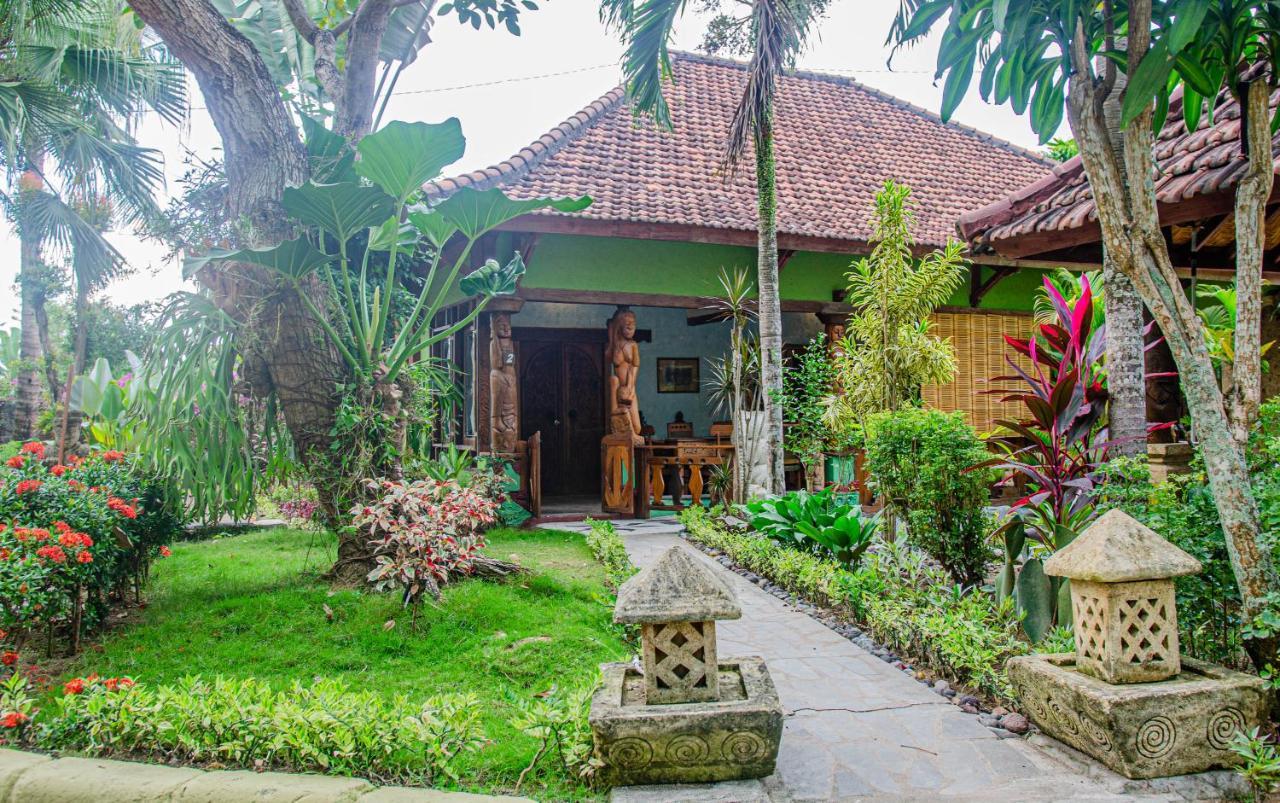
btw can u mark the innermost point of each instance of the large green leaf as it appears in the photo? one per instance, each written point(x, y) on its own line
point(475, 212)
point(1035, 599)
point(339, 209)
point(492, 279)
point(402, 157)
point(1147, 81)
point(433, 226)
point(330, 154)
point(393, 233)
point(293, 258)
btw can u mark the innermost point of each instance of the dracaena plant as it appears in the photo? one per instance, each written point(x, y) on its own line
point(1057, 448)
point(369, 212)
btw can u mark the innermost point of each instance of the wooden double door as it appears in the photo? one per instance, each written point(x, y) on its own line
point(562, 396)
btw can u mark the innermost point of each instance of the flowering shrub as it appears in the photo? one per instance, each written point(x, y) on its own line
point(422, 533)
point(321, 726)
point(72, 536)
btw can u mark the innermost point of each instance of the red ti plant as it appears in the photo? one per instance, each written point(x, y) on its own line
point(1058, 450)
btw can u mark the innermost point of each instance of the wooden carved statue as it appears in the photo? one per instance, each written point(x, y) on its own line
point(504, 428)
point(623, 354)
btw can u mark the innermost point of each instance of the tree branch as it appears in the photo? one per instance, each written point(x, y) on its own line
point(1250, 215)
point(354, 113)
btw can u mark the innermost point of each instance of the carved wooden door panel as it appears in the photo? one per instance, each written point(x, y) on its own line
point(562, 396)
point(584, 413)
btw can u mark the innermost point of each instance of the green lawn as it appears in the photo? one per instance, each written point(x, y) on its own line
point(252, 605)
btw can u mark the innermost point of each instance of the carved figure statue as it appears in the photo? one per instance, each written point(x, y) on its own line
point(503, 397)
point(623, 354)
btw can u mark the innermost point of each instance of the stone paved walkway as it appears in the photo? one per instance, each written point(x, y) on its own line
point(858, 729)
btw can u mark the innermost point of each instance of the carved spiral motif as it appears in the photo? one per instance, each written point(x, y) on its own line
point(1066, 718)
point(687, 750)
point(1034, 707)
point(630, 753)
point(1095, 732)
point(743, 747)
point(1156, 737)
point(1223, 726)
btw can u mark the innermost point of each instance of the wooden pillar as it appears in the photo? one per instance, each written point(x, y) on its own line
point(497, 379)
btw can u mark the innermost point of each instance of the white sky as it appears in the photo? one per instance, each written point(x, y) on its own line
point(500, 88)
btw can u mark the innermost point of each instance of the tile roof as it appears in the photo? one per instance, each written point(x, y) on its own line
point(837, 142)
point(1058, 210)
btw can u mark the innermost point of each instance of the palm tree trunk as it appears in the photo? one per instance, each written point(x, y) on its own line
point(1126, 364)
point(27, 386)
point(770, 301)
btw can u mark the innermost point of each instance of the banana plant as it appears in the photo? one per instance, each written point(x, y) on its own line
point(374, 205)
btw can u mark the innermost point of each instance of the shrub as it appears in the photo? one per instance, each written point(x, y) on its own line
point(605, 543)
point(903, 601)
point(72, 537)
point(322, 726)
point(922, 462)
point(817, 523)
point(422, 533)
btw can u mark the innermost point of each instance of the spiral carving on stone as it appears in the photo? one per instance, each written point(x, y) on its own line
point(743, 747)
point(1066, 718)
point(630, 753)
point(1095, 732)
point(1223, 726)
point(687, 750)
point(1156, 737)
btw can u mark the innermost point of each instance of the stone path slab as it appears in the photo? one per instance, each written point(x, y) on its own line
point(858, 729)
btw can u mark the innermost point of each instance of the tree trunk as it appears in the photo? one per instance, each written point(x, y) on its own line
point(285, 351)
point(1126, 376)
point(1130, 224)
point(27, 384)
point(73, 370)
point(1250, 215)
point(770, 301)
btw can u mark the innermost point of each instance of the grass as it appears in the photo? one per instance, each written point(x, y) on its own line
point(253, 605)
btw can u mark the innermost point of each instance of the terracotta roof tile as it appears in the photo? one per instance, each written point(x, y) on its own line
point(837, 142)
point(1189, 164)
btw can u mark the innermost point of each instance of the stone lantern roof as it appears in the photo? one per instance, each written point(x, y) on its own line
point(677, 588)
point(1117, 548)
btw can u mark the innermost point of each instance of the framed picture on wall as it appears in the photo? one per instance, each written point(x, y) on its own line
point(679, 375)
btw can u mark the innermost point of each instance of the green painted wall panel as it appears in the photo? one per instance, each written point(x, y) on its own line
point(569, 262)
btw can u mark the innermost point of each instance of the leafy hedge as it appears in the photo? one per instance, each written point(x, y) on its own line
point(72, 537)
point(320, 726)
point(605, 543)
point(904, 602)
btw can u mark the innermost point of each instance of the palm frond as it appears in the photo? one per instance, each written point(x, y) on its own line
point(646, 26)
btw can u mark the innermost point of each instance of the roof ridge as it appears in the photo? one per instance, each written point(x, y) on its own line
point(834, 78)
point(533, 154)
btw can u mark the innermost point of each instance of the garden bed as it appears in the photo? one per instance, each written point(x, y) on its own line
point(251, 607)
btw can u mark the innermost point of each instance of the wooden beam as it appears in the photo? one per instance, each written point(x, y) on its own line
point(701, 318)
point(784, 256)
point(979, 288)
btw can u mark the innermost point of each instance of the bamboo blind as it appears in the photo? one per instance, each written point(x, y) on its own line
point(980, 355)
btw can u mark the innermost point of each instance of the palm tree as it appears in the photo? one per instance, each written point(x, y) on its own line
point(74, 77)
point(775, 33)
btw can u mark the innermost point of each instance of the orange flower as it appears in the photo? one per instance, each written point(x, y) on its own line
point(17, 461)
point(29, 485)
point(112, 455)
point(165, 551)
point(34, 447)
point(9, 658)
point(84, 557)
point(58, 470)
point(73, 686)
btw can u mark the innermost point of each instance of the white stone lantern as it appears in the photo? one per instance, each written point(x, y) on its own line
point(677, 601)
point(1122, 599)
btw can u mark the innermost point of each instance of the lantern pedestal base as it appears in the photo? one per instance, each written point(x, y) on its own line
point(731, 738)
point(1142, 730)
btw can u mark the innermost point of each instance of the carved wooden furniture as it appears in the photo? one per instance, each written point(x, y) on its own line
point(676, 467)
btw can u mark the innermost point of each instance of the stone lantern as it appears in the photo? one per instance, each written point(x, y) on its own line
point(1122, 604)
point(676, 603)
point(1125, 696)
point(688, 716)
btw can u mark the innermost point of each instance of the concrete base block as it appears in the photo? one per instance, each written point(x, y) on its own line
point(13, 763)
point(234, 786)
point(91, 780)
point(733, 738)
point(1142, 730)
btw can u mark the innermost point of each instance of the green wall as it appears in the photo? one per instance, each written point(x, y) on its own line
point(570, 262)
